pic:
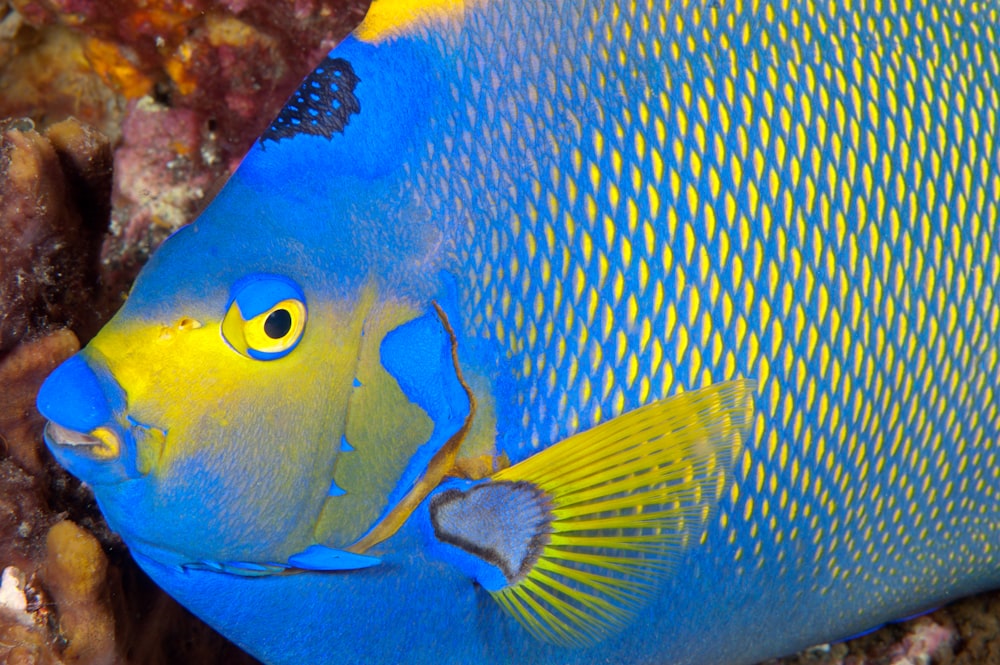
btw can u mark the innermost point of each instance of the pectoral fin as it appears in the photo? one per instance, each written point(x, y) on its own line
point(573, 541)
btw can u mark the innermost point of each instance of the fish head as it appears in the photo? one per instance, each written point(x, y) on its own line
point(204, 414)
point(210, 415)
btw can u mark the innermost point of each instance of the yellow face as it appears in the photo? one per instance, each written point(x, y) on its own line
point(230, 420)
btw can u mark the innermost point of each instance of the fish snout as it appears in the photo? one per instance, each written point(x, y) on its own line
point(106, 446)
point(81, 404)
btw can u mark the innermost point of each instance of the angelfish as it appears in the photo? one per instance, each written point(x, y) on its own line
point(571, 332)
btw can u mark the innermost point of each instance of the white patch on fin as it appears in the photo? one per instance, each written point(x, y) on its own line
point(506, 524)
point(627, 497)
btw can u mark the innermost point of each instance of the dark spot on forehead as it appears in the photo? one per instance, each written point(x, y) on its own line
point(322, 106)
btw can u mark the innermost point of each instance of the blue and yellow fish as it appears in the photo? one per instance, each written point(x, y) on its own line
point(572, 332)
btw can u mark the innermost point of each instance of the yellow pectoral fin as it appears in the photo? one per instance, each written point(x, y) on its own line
point(625, 497)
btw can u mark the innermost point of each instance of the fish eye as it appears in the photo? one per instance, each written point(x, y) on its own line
point(278, 323)
point(265, 316)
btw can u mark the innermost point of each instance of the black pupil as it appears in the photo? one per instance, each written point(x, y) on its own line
point(278, 323)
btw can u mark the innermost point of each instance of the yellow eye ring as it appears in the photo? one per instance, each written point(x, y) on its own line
point(266, 317)
point(277, 330)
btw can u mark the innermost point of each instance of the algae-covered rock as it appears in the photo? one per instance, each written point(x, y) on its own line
point(54, 204)
point(21, 373)
point(75, 573)
point(183, 88)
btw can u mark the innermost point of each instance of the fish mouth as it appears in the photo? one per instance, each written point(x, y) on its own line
point(102, 443)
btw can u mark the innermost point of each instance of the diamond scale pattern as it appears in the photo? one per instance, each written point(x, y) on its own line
point(796, 192)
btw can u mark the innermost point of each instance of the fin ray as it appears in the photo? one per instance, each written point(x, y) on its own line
point(627, 497)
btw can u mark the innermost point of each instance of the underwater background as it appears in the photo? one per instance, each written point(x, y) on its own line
point(118, 122)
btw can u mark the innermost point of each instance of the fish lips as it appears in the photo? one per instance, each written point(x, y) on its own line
point(96, 460)
point(87, 430)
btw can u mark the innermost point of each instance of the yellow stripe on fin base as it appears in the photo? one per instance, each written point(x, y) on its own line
point(392, 18)
point(627, 497)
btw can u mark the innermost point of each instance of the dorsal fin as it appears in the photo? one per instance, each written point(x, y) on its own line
point(393, 18)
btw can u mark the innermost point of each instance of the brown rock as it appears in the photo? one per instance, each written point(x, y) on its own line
point(21, 374)
point(75, 570)
point(24, 517)
point(53, 211)
point(45, 75)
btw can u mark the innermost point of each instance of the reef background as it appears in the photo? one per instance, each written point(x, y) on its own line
point(118, 121)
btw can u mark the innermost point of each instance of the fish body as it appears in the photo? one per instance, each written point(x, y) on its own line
point(509, 222)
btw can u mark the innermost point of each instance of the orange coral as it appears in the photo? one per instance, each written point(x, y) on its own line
point(115, 69)
point(177, 67)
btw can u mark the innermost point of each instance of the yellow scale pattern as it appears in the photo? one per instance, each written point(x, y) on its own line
point(799, 194)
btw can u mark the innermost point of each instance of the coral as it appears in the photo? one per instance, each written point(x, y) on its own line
point(74, 572)
point(963, 633)
point(46, 76)
point(54, 204)
point(23, 634)
point(21, 372)
point(29, 628)
point(166, 163)
point(180, 87)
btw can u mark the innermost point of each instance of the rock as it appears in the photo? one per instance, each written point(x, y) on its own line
point(75, 572)
point(12, 597)
point(54, 202)
point(21, 374)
